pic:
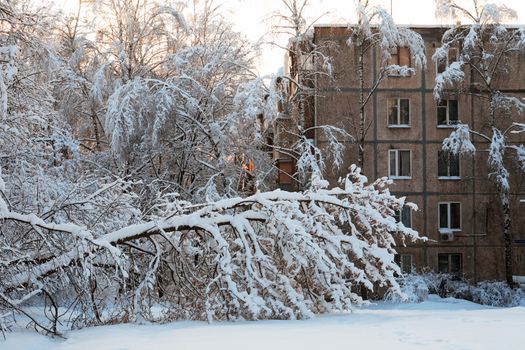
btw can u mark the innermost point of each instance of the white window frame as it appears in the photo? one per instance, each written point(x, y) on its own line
point(449, 217)
point(449, 177)
point(448, 125)
point(396, 152)
point(398, 125)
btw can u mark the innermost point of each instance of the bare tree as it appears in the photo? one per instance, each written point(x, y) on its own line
point(375, 28)
point(297, 88)
point(279, 255)
point(155, 217)
point(486, 50)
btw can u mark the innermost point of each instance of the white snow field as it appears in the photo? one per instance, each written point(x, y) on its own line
point(434, 324)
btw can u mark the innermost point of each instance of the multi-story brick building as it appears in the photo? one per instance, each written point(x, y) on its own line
point(458, 206)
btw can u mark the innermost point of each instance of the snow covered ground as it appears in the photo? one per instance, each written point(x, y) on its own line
point(433, 324)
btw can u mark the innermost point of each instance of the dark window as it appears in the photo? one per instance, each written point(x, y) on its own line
point(393, 111)
point(450, 263)
point(404, 163)
point(450, 215)
point(443, 215)
point(447, 112)
point(448, 164)
point(398, 111)
point(451, 58)
point(399, 163)
point(453, 165)
point(404, 261)
point(455, 216)
point(392, 155)
point(404, 215)
point(452, 111)
point(442, 112)
point(404, 111)
point(442, 164)
point(441, 66)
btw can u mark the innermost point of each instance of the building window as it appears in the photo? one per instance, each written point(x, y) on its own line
point(399, 164)
point(452, 56)
point(404, 216)
point(285, 176)
point(447, 112)
point(450, 263)
point(448, 165)
point(400, 56)
point(404, 261)
point(450, 216)
point(398, 112)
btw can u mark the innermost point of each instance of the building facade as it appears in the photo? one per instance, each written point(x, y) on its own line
point(459, 208)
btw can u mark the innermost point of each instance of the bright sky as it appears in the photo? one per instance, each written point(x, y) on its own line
point(249, 17)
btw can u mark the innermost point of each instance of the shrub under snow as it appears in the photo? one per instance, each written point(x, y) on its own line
point(417, 287)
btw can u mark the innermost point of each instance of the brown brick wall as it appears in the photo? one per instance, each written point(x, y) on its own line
point(480, 240)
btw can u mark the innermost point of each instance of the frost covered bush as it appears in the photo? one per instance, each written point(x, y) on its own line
point(270, 255)
point(417, 287)
point(414, 289)
point(6, 322)
point(493, 293)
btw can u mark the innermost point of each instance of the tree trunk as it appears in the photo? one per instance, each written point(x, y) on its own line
point(505, 211)
point(96, 131)
point(301, 95)
point(505, 207)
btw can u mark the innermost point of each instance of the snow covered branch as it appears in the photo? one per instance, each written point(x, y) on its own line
point(459, 141)
point(270, 255)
